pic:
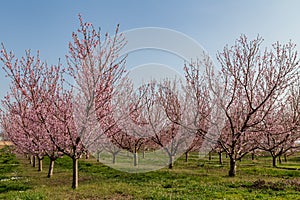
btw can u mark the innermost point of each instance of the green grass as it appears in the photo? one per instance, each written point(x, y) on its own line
point(11, 178)
point(152, 161)
point(196, 179)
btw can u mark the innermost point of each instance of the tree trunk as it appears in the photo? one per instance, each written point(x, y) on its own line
point(33, 161)
point(143, 153)
point(51, 167)
point(274, 161)
point(98, 156)
point(171, 161)
point(209, 155)
point(279, 159)
point(75, 173)
point(252, 155)
point(135, 158)
point(232, 169)
point(186, 156)
point(114, 158)
point(40, 164)
point(285, 158)
point(220, 158)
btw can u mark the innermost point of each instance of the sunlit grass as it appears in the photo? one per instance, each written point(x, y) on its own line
point(198, 178)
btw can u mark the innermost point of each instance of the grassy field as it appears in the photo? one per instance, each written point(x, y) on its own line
point(196, 179)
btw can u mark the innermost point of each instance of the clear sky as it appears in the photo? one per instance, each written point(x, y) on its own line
point(47, 25)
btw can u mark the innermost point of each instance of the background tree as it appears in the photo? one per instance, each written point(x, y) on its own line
point(280, 129)
point(162, 109)
point(26, 105)
point(94, 65)
point(252, 81)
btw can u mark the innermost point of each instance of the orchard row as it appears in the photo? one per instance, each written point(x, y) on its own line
point(250, 102)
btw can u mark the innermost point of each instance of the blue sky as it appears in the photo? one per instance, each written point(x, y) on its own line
point(47, 25)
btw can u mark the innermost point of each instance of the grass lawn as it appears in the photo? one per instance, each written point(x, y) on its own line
point(196, 179)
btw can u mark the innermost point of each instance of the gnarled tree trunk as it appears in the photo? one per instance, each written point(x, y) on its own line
point(114, 158)
point(186, 156)
point(40, 164)
point(75, 173)
point(33, 161)
point(51, 167)
point(135, 158)
point(232, 167)
point(98, 156)
point(171, 161)
point(220, 158)
point(274, 161)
